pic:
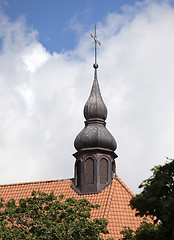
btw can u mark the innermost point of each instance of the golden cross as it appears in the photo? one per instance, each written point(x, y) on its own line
point(96, 41)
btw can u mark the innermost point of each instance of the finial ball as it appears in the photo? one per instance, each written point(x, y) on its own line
point(95, 65)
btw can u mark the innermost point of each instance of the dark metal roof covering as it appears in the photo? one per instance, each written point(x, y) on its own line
point(95, 134)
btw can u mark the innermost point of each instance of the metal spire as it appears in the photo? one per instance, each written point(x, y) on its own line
point(96, 41)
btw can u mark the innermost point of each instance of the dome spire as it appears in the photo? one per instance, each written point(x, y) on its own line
point(96, 42)
point(95, 108)
point(95, 164)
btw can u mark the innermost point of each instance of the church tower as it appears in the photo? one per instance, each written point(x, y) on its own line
point(94, 171)
point(95, 164)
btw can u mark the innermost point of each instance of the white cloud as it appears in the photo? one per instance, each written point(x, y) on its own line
point(34, 57)
point(42, 95)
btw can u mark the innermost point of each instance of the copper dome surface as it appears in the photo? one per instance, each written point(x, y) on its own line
point(95, 135)
point(95, 106)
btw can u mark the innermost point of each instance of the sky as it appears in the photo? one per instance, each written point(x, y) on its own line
point(46, 74)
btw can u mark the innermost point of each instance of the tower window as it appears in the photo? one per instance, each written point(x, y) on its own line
point(89, 171)
point(103, 171)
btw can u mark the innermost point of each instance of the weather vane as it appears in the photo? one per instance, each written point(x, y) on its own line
point(96, 42)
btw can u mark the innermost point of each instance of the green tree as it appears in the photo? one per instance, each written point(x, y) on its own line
point(146, 231)
point(156, 201)
point(44, 216)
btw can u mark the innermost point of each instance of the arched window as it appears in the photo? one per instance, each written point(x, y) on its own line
point(89, 171)
point(78, 172)
point(103, 171)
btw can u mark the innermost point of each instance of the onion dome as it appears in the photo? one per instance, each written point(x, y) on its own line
point(95, 135)
point(95, 107)
point(95, 157)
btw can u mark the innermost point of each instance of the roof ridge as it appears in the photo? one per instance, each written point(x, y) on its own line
point(125, 186)
point(108, 201)
point(27, 183)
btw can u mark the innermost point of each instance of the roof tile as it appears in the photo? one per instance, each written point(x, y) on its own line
point(113, 200)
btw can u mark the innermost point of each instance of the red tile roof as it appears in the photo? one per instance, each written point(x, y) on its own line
point(113, 200)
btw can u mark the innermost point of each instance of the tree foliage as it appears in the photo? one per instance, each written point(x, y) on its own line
point(156, 201)
point(46, 217)
point(146, 231)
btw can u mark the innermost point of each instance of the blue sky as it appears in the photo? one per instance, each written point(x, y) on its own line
point(59, 23)
point(46, 58)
